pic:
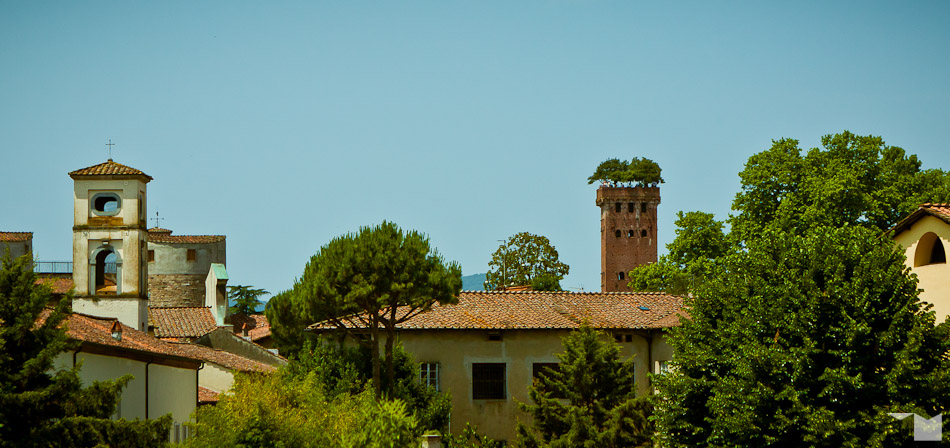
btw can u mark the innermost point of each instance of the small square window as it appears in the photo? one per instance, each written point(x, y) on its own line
point(495, 336)
point(429, 374)
point(151, 255)
point(192, 255)
point(488, 381)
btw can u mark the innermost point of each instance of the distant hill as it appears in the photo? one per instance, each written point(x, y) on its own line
point(474, 282)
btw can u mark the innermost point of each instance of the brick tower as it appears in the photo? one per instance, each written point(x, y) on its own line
point(627, 232)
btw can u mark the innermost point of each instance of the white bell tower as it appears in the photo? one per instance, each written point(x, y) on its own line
point(110, 271)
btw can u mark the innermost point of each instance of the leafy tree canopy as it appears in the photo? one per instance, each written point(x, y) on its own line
point(526, 259)
point(637, 172)
point(287, 318)
point(245, 299)
point(589, 401)
point(378, 277)
point(850, 181)
point(804, 340)
point(43, 406)
point(700, 242)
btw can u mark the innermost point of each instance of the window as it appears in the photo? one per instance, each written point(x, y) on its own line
point(494, 336)
point(643, 233)
point(643, 207)
point(930, 250)
point(630, 234)
point(429, 374)
point(151, 255)
point(631, 207)
point(619, 207)
point(106, 204)
point(620, 275)
point(617, 233)
point(192, 255)
point(620, 337)
point(488, 381)
point(663, 367)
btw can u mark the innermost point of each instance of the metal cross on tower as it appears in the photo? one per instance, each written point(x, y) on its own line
point(157, 219)
point(110, 145)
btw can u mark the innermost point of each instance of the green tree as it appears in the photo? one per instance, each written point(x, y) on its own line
point(804, 340)
point(287, 319)
point(245, 299)
point(692, 258)
point(589, 401)
point(43, 406)
point(851, 181)
point(637, 172)
point(376, 278)
point(343, 370)
point(288, 410)
point(526, 259)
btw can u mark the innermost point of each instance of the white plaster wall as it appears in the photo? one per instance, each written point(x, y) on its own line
point(215, 377)
point(173, 390)
point(127, 189)
point(95, 367)
point(131, 311)
point(933, 279)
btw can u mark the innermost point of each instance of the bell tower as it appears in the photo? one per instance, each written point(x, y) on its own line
point(109, 241)
point(627, 232)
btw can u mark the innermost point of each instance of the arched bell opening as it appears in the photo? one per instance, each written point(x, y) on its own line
point(105, 271)
point(930, 250)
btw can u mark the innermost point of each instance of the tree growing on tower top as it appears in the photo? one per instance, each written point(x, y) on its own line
point(635, 173)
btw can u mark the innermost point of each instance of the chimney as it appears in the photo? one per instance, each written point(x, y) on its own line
point(244, 331)
point(116, 331)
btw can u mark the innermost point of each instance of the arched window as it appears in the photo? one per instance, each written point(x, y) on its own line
point(631, 234)
point(930, 250)
point(617, 233)
point(643, 233)
point(620, 275)
point(106, 271)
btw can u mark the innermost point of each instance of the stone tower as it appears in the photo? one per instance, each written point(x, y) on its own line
point(109, 241)
point(627, 232)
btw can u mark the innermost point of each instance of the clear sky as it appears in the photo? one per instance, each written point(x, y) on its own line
point(284, 124)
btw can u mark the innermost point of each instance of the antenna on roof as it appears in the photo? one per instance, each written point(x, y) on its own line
point(110, 145)
point(157, 219)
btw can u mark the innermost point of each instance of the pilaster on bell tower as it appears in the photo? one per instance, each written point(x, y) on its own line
point(627, 232)
point(110, 271)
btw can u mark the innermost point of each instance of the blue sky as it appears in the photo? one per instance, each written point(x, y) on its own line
point(284, 124)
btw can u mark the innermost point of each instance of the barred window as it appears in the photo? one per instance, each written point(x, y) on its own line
point(488, 381)
point(429, 374)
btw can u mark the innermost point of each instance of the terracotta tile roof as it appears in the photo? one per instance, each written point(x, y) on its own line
point(257, 324)
point(504, 310)
point(15, 237)
point(159, 235)
point(207, 396)
point(941, 211)
point(181, 321)
point(98, 331)
point(108, 168)
point(222, 358)
point(58, 285)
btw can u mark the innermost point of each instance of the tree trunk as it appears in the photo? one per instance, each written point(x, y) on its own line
point(374, 333)
point(390, 369)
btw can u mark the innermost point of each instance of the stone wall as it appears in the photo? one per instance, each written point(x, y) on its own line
point(176, 290)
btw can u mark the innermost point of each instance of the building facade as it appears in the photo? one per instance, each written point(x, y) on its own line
point(925, 238)
point(178, 266)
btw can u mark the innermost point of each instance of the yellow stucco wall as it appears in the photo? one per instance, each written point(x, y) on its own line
point(933, 279)
point(215, 377)
point(457, 350)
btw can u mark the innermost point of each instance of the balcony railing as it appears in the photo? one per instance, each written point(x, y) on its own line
point(63, 267)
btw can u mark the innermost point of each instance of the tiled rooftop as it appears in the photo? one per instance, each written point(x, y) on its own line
point(108, 168)
point(159, 235)
point(940, 211)
point(15, 237)
point(222, 358)
point(98, 330)
point(548, 310)
point(257, 324)
point(207, 396)
point(181, 321)
point(59, 285)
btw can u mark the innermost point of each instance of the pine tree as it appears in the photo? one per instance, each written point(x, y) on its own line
point(589, 400)
point(42, 406)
